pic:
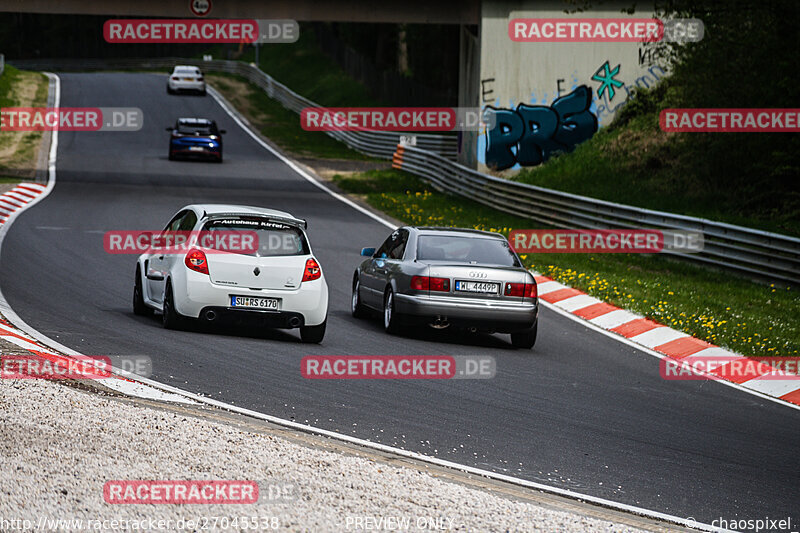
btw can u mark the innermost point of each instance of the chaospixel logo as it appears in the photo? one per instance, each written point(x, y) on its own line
point(398, 367)
point(180, 491)
point(608, 241)
point(71, 119)
point(176, 242)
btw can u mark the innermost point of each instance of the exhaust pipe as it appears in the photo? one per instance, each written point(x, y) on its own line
point(473, 329)
point(294, 322)
point(210, 315)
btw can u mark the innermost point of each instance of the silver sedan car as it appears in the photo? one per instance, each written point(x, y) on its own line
point(447, 277)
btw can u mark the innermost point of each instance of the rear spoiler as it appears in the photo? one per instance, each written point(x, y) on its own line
point(292, 221)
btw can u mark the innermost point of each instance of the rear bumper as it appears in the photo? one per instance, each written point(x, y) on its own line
point(207, 152)
point(495, 316)
point(187, 85)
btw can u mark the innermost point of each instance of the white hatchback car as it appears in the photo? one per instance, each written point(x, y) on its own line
point(186, 78)
point(276, 282)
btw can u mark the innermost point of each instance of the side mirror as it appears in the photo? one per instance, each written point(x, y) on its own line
point(222, 132)
point(368, 252)
point(170, 128)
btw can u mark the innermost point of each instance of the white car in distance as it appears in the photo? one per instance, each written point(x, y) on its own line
point(186, 78)
point(275, 282)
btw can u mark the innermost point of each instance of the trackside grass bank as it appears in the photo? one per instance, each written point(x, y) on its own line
point(735, 313)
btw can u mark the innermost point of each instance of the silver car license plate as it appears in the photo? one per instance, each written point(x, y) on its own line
point(477, 286)
point(254, 303)
point(196, 148)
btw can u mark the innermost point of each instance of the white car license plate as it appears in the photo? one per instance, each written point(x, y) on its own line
point(196, 148)
point(187, 79)
point(255, 303)
point(477, 286)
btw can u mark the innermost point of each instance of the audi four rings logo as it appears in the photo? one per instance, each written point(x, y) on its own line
point(475, 274)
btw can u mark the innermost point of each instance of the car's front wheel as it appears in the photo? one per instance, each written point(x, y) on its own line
point(170, 318)
point(356, 307)
point(525, 338)
point(313, 334)
point(391, 321)
point(139, 307)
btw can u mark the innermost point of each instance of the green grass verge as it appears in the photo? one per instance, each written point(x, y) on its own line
point(18, 149)
point(726, 310)
point(281, 125)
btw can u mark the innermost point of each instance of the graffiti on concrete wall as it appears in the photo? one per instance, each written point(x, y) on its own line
point(530, 134)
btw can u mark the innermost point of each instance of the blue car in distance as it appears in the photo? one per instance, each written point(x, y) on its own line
point(195, 138)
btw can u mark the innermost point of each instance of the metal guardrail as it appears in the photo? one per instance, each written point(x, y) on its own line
point(752, 252)
point(2, 64)
point(379, 144)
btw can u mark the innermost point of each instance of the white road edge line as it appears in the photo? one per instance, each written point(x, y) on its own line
point(22, 325)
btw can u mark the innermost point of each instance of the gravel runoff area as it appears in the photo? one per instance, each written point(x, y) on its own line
point(60, 444)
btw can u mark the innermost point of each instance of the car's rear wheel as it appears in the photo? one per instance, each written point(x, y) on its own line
point(170, 318)
point(391, 321)
point(525, 338)
point(356, 307)
point(139, 307)
point(313, 334)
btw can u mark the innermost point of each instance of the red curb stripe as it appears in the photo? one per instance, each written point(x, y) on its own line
point(683, 347)
point(636, 327)
point(541, 279)
point(6, 333)
point(33, 190)
point(595, 310)
point(24, 192)
point(793, 397)
point(560, 294)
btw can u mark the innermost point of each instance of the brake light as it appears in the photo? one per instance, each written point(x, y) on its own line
point(312, 270)
point(425, 283)
point(174, 78)
point(200, 78)
point(196, 260)
point(525, 290)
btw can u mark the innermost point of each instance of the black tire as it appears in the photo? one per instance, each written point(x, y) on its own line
point(391, 322)
point(171, 156)
point(525, 338)
point(357, 308)
point(313, 334)
point(169, 91)
point(170, 318)
point(139, 307)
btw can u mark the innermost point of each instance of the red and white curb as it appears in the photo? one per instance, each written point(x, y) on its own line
point(17, 198)
point(667, 342)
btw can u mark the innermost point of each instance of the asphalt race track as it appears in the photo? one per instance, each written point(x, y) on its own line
point(582, 411)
